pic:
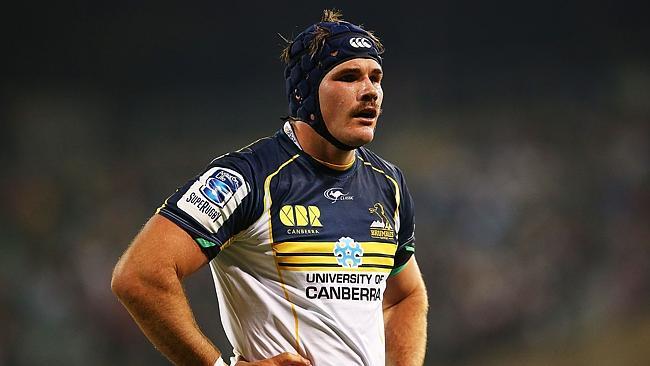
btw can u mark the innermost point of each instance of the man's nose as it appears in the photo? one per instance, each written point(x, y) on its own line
point(368, 91)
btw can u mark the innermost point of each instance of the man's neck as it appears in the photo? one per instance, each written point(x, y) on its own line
point(319, 148)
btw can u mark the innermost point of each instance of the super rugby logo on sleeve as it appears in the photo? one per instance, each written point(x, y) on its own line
point(221, 186)
point(214, 196)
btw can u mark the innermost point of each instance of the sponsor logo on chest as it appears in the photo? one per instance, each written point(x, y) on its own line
point(300, 219)
point(337, 194)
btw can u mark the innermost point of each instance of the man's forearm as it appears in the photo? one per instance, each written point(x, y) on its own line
point(406, 330)
point(161, 310)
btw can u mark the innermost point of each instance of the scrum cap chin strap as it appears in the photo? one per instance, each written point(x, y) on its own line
point(304, 71)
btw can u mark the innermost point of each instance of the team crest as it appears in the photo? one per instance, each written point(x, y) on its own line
point(381, 228)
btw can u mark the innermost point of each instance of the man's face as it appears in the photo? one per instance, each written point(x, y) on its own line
point(350, 100)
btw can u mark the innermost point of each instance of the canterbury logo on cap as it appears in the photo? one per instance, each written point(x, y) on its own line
point(360, 42)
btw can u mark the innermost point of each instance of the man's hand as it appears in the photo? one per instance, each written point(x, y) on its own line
point(283, 359)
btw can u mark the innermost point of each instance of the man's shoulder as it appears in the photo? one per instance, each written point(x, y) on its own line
point(258, 157)
point(261, 145)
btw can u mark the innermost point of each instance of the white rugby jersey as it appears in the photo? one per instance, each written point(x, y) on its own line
point(299, 252)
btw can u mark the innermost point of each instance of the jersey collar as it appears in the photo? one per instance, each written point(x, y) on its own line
point(289, 133)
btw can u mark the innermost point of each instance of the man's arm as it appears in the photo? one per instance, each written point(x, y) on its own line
point(147, 280)
point(405, 317)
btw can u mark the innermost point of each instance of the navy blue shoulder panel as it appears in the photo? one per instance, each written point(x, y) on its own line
point(227, 197)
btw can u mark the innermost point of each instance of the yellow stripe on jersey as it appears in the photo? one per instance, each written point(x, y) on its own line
point(366, 260)
point(267, 207)
point(318, 256)
point(267, 192)
point(333, 269)
point(320, 247)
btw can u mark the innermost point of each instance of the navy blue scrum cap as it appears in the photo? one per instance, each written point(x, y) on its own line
point(341, 41)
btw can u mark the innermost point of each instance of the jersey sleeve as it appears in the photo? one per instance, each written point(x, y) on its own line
point(406, 232)
point(215, 205)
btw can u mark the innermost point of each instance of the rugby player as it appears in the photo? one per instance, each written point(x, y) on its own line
point(309, 235)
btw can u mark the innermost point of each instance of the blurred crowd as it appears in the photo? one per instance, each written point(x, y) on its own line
point(532, 220)
point(523, 129)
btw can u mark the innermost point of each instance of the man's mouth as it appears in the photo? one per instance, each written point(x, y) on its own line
point(367, 113)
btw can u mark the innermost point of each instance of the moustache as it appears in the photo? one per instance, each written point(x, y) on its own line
point(368, 110)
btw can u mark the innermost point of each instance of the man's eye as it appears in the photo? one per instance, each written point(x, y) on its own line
point(348, 78)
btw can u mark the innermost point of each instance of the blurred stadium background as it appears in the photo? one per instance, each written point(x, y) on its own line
point(522, 127)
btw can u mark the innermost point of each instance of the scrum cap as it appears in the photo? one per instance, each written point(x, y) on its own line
point(311, 55)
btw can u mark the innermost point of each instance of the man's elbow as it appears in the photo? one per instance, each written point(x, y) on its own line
point(124, 282)
point(135, 279)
